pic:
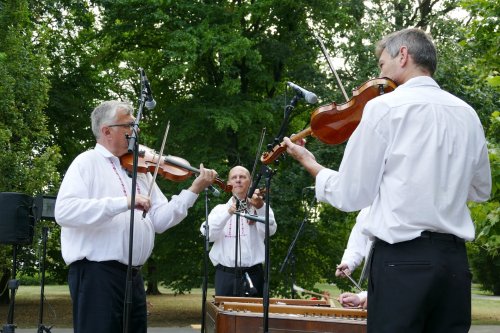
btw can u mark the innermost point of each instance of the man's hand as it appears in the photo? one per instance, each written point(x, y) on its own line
point(204, 179)
point(142, 202)
point(342, 270)
point(257, 199)
point(232, 209)
point(303, 156)
point(349, 300)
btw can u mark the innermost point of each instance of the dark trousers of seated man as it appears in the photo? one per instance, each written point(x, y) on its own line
point(226, 278)
point(420, 286)
point(97, 293)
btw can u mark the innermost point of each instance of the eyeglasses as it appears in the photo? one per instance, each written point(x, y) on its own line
point(129, 125)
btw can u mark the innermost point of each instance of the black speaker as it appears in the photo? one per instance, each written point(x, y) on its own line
point(17, 222)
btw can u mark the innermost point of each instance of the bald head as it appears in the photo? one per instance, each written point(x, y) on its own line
point(239, 178)
point(239, 168)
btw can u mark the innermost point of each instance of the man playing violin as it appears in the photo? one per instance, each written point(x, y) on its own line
point(226, 228)
point(418, 155)
point(93, 208)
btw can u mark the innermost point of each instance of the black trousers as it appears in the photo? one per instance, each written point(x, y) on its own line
point(97, 292)
point(227, 277)
point(422, 285)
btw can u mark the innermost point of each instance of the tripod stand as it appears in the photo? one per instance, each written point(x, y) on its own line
point(41, 327)
point(13, 284)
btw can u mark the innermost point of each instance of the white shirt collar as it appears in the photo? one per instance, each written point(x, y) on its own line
point(419, 81)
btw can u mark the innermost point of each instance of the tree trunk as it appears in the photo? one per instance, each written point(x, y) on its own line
point(151, 279)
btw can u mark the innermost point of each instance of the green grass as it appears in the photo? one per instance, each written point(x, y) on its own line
point(170, 310)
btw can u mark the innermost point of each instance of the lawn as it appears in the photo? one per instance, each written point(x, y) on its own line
point(170, 310)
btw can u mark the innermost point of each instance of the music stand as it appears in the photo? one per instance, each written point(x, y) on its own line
point(16, 228)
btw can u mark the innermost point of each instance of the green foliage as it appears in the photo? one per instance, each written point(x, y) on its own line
point(486, 268)
point(218, 72)
point(483, 38)
point(487, 215)
point(28, 161)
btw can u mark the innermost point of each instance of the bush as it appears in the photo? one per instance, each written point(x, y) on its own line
point(485, 268)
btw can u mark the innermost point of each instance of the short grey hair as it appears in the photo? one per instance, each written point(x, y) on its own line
point(105, 114)
point(419, 44)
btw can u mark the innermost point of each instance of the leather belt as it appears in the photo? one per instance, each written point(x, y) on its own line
point(114, 264)
point(252, 269)
point(438, 236)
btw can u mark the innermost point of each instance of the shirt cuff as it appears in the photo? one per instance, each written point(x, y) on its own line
point(188, 197)
point(322, 181)
point(119, 205)
point(362, 295)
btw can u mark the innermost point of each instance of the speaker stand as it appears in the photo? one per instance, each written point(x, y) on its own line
point(13, 285)
point(41, 327)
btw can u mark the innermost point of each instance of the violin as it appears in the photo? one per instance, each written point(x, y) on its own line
point(334, 123)
point(172, 168)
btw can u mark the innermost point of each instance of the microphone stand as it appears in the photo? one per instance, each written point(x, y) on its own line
point(265, 301)
point(237, 277)
point(133, 146)
point(41, 327)
point(284, 124)
point(268, 173)
point(205, 263)
point(290, 255)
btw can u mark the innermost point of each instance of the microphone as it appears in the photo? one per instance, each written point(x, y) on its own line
point(150, 102)
point(255, 218)
point(252, 290)
point(310, 97)
point(214, 191)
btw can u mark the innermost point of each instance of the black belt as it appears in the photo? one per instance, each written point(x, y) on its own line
point(119, 265)
point(114, 264)
point(433, 236)
point(252, 269)
point(438, 236)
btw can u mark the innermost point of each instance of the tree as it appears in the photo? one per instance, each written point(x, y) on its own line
point(481, 40)
point(29, 161)
point(218, 73)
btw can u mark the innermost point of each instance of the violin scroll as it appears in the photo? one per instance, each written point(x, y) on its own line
point(270, 156)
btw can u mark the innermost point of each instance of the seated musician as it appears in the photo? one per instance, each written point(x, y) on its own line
point(234, 270)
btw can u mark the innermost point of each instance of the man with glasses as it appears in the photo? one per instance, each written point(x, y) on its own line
point(93, 208)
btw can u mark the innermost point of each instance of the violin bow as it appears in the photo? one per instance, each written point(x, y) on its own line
point(158, 163)
point(258, 153)
point(330, 64)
